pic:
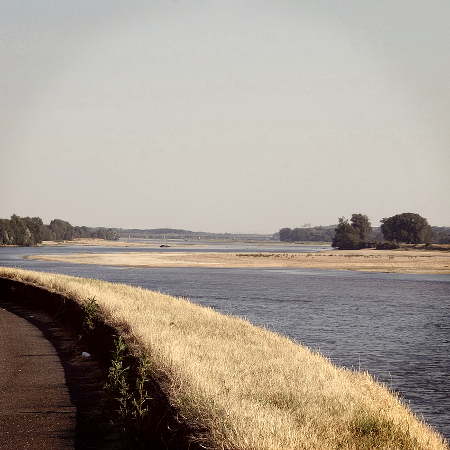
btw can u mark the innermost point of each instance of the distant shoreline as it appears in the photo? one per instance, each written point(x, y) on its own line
point(366, 260)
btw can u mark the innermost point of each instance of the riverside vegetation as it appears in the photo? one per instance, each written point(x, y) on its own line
point(242, 386)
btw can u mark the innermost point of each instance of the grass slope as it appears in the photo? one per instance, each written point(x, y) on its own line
point(243, 386)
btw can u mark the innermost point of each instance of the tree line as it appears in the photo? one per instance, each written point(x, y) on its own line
point(408, 228)
point(311, 234)
point(31, 231)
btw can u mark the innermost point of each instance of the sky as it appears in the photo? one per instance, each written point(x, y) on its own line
point(224, 116)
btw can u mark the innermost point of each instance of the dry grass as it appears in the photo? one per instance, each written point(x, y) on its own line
point(248, 387)
point(397, 261)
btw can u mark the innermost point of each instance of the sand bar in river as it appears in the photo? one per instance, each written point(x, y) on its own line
point(368, 260)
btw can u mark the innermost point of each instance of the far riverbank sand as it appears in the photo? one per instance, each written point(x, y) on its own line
point(367, 260)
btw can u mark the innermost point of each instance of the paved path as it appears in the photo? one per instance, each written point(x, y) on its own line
point(35, 407)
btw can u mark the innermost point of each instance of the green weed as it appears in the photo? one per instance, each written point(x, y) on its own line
point(141, 397)
point(129, 403)
point(117, 388)
point(91, 310)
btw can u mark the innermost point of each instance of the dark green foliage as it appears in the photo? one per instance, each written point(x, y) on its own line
point(48, 235)
point(409, 228)
point(82, 232)
point(30, 231)
point(130, 404)
point(22, 235)
point(140, 407)
point(22, 231)
point(91, 321)
point(354, 235)
point(62, 231)
point(286, 235)
point(6, 232)
point(312, 234)
point(91, 310)
point(108, 234)
point(441, 235)
point(37, 229)
point(117, 388)
point(387, 245)
point(362, 224)
point(346, 236)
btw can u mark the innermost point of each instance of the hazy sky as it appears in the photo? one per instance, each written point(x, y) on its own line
point(225, 115)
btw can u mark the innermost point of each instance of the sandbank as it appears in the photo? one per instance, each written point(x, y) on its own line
point(366, 260)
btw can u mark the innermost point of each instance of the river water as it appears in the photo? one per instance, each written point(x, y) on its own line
point(396, 326)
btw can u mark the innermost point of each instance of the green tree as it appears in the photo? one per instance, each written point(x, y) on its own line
point(352, 235)
point(362, 224)
point(409, 228)
point(286, 235)
point(441, 235)
point(62, 230)
point(37, 229)
point(346, 236)
point(82, 232)
point(20, 233)
point(108, 234)
point(6, 233)
point(48, 234)
point(112, 235)
point(323, 234)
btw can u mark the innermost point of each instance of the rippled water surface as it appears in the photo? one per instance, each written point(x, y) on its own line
point(395, 326)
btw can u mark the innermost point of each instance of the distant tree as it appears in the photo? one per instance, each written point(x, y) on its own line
point(285, 235)
point(441, 235)
point(82, 232)
point(317, 234)
point(108, 234)
point(37, 229)
point(21, 234)
point(21, 231)
point(112, 235)
point(296, 235)
point(349, 236)
point(6, 233)
point(62, 230)
point(362, 224)
point(409, 228)
point(346, 236)
point(101, 233)
point(48, 234)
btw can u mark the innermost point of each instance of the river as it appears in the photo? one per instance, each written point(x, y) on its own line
point(393, 325)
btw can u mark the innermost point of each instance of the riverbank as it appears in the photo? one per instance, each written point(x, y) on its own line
point(240, 386)
point(366, 260)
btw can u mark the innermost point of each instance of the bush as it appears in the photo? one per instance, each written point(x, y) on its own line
point(387, 245)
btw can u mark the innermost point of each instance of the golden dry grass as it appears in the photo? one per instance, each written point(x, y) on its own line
point(249, 388)
point(397, 261)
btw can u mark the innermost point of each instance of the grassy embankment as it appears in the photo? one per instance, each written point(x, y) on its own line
point(246, 387)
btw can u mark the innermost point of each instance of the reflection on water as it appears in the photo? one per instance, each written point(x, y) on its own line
point(395, 326)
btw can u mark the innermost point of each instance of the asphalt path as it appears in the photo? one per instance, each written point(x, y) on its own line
point(35, 406)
